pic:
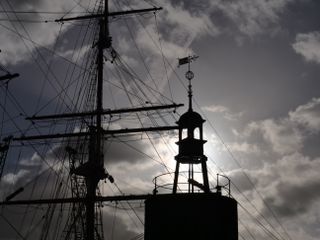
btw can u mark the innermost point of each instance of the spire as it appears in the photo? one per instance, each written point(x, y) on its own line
point(191, 144)
point(189, 75)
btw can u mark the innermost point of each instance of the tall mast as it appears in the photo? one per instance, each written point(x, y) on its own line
point(96, 159)
point(93, 171)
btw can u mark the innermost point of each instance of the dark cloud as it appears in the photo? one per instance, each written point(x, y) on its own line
point(130, 152)
point(194, 7)
point(292, 200)
point(239, 178)
point(115, 225)
point(26, 4)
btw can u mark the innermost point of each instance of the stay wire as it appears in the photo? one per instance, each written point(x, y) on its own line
point(86, 31)
point(127, 212)
point(37, 51)
point(248, 178)
point(40, 46)
point(22, 132)
point(247, 229)
point(129, 204)
point(139, 51)
point(13, 227)
point(142, 153)
point(5, 105)
point(39, 54)
point(40, 12)
point(271, 234)
point(72, 69)
point(128, 70)
point(255, 208)
point(114, 222)
point(153, 146)
point(149, 116)
point(248, 201)
point(47, 72)
point(163, 57)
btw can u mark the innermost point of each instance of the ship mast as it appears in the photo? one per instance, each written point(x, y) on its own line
point(178, 214)
point(93, 171)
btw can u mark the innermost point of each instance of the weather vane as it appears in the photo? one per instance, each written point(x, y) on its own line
point(189, 75)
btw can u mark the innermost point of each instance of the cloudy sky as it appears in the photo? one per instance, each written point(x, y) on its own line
point(256, 83)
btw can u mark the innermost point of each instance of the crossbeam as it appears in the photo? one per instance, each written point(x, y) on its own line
point(76, 200)
point(9, 76)
point(104, 112)
point(111, 14)
point(105, 132)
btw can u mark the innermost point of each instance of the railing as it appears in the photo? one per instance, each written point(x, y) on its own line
point(223, 186)
point(164, 184)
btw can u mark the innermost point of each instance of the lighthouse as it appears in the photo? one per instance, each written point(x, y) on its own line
point(195, 212)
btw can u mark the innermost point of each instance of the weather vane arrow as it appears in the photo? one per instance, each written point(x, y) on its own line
point(186, 60)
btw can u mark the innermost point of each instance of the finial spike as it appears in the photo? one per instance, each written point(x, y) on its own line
point(189, 75)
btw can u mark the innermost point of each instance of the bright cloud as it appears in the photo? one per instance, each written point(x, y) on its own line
point(287, 135)
point(20, 37)
point(289, 183)
point(252, 17)
point(193, 25)
point(308, 45)
point(308, 115)
point(226, 112)
point(281, 134)
point(13, 178)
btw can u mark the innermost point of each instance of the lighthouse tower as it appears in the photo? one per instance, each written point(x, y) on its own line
point(191, 144)
point(195, 212)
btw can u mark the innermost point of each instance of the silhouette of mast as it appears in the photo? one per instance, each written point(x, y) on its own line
point(93, 170)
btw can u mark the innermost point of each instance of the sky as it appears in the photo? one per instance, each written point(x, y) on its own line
point(256, 84)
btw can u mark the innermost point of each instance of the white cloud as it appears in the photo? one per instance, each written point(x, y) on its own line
point(281, 134)
point(244, 147)
point(289, 183)
point(288, 134)
point(308, 115)
point(252, 17)
point(191, 25)
point(308, 45)
point(74, 55)
point(296, 181)
point(226, 112)
point(34, 161)
point(13, 178)
point(20, 38)
point(171, 50)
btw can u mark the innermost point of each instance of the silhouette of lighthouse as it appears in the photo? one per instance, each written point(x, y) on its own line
point(195, 212)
